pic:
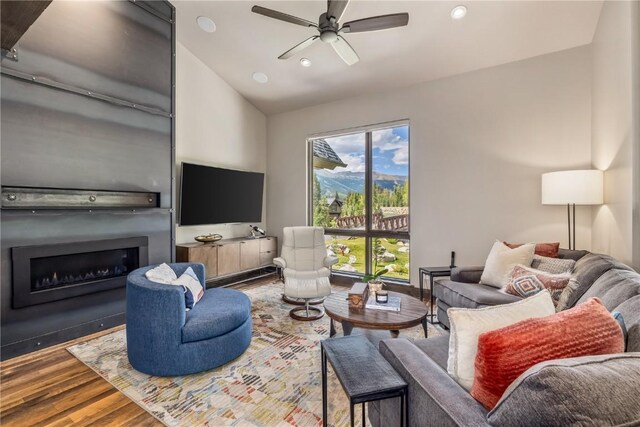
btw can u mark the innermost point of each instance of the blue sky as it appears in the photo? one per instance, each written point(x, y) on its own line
point(390, 151)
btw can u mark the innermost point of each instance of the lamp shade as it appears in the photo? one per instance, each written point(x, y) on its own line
point(582, 187)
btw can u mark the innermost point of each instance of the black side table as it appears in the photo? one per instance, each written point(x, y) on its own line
point(432, 272)
point(365, 375)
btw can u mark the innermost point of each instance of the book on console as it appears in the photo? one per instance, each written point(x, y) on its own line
point(392, 305)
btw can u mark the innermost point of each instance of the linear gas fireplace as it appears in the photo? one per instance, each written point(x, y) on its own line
point(48, 273)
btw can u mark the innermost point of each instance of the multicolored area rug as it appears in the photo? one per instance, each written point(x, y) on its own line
point(276, 382)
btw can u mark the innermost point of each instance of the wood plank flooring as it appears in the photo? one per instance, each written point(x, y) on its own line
point(52, 388)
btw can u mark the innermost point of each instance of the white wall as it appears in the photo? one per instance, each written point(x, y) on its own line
point(479, 144)
point(215, 126)
point(612, 129)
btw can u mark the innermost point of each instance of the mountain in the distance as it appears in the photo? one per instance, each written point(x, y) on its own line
point(353, 182)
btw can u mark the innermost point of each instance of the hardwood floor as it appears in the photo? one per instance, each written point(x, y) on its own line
point(52, 388)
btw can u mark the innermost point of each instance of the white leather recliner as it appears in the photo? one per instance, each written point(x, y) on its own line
point(306, 268)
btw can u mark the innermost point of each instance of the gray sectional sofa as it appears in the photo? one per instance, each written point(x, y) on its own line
point(597, 390)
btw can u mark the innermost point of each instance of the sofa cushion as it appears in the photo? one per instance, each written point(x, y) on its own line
point(614, 287)
point(504, 354)
point(437, 348)
point(589, 390)
point(630, 310)
point(467, 295)
point(218, 312)
point(587, 270)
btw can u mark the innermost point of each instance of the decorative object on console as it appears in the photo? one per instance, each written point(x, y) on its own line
point(257, 232)
point(453, 260)
point(501, 261)
point(467, 324)
point(525, 281)
point(208, 238)
point(505, 353)
point(571, 188)
point(542, 249)
point(553, 265)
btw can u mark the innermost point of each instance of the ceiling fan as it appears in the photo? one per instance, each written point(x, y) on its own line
point(330, 30)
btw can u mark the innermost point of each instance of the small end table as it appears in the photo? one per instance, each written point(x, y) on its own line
point(432, 272)
point(365, 375)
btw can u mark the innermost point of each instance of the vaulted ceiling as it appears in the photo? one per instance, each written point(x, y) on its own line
point(432, 46)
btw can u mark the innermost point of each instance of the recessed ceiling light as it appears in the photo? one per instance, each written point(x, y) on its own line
point(458, 12)
point(305, 62)
point(206, 24)
point(260, 77)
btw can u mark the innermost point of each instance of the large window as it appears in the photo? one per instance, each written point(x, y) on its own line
point(360, 195)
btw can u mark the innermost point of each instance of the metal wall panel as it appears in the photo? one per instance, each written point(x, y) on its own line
point(98, 116)
point(53, 138)
point(111, 47)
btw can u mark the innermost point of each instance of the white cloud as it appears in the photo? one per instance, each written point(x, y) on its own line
point(347, 144)
point(355, 163)
point(401, 156)
point(386, 140)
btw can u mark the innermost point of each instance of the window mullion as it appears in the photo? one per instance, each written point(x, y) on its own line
point(368, 163)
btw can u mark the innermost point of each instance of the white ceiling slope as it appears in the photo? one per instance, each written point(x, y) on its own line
point(432, 46)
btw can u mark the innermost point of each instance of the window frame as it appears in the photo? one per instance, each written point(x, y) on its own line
point(368, 233)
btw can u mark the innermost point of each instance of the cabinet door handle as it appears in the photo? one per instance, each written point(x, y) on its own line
point(243, 242)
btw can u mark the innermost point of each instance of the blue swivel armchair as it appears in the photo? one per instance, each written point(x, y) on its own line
point(166, 340)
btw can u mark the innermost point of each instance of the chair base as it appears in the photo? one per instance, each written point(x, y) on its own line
point(306, 313)
point(300, 301)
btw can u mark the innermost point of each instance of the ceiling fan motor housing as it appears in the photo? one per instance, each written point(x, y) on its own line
point(328, 28)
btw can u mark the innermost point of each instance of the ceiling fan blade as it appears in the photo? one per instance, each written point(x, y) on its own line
point(376, 23)
point(335, 8)
point(346, 52)
point(297, 48)
point(282, 16)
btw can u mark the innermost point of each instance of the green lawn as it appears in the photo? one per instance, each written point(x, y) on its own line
point(357, 248)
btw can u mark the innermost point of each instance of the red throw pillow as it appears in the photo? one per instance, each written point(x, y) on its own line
point(543, 249)
point(504, 354)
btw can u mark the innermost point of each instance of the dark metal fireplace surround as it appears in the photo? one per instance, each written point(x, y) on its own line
point(88, 166)
point(46, 273)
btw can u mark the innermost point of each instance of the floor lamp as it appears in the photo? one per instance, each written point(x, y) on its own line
point(571, 188)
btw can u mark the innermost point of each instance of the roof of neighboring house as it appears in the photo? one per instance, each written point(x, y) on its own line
point(324, 157)
point(331, 200)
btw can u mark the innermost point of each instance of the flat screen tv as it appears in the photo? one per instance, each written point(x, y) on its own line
point(210, 195)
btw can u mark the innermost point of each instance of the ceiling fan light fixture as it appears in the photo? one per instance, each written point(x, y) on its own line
point(206, 24)
point(305, 62)
point(260, 77)
point(458, 12)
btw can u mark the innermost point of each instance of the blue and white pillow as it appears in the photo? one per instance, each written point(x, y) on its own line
point(193, 290)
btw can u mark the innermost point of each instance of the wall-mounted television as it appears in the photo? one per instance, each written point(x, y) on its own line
point(210, 195)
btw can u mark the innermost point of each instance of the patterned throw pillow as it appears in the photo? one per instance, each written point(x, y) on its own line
point(193, 290)
point(161, 274)
point(553, 265)
point(524, 281)
point(505, 353)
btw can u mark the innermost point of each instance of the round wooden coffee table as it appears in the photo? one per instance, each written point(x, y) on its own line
point(412, 312)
